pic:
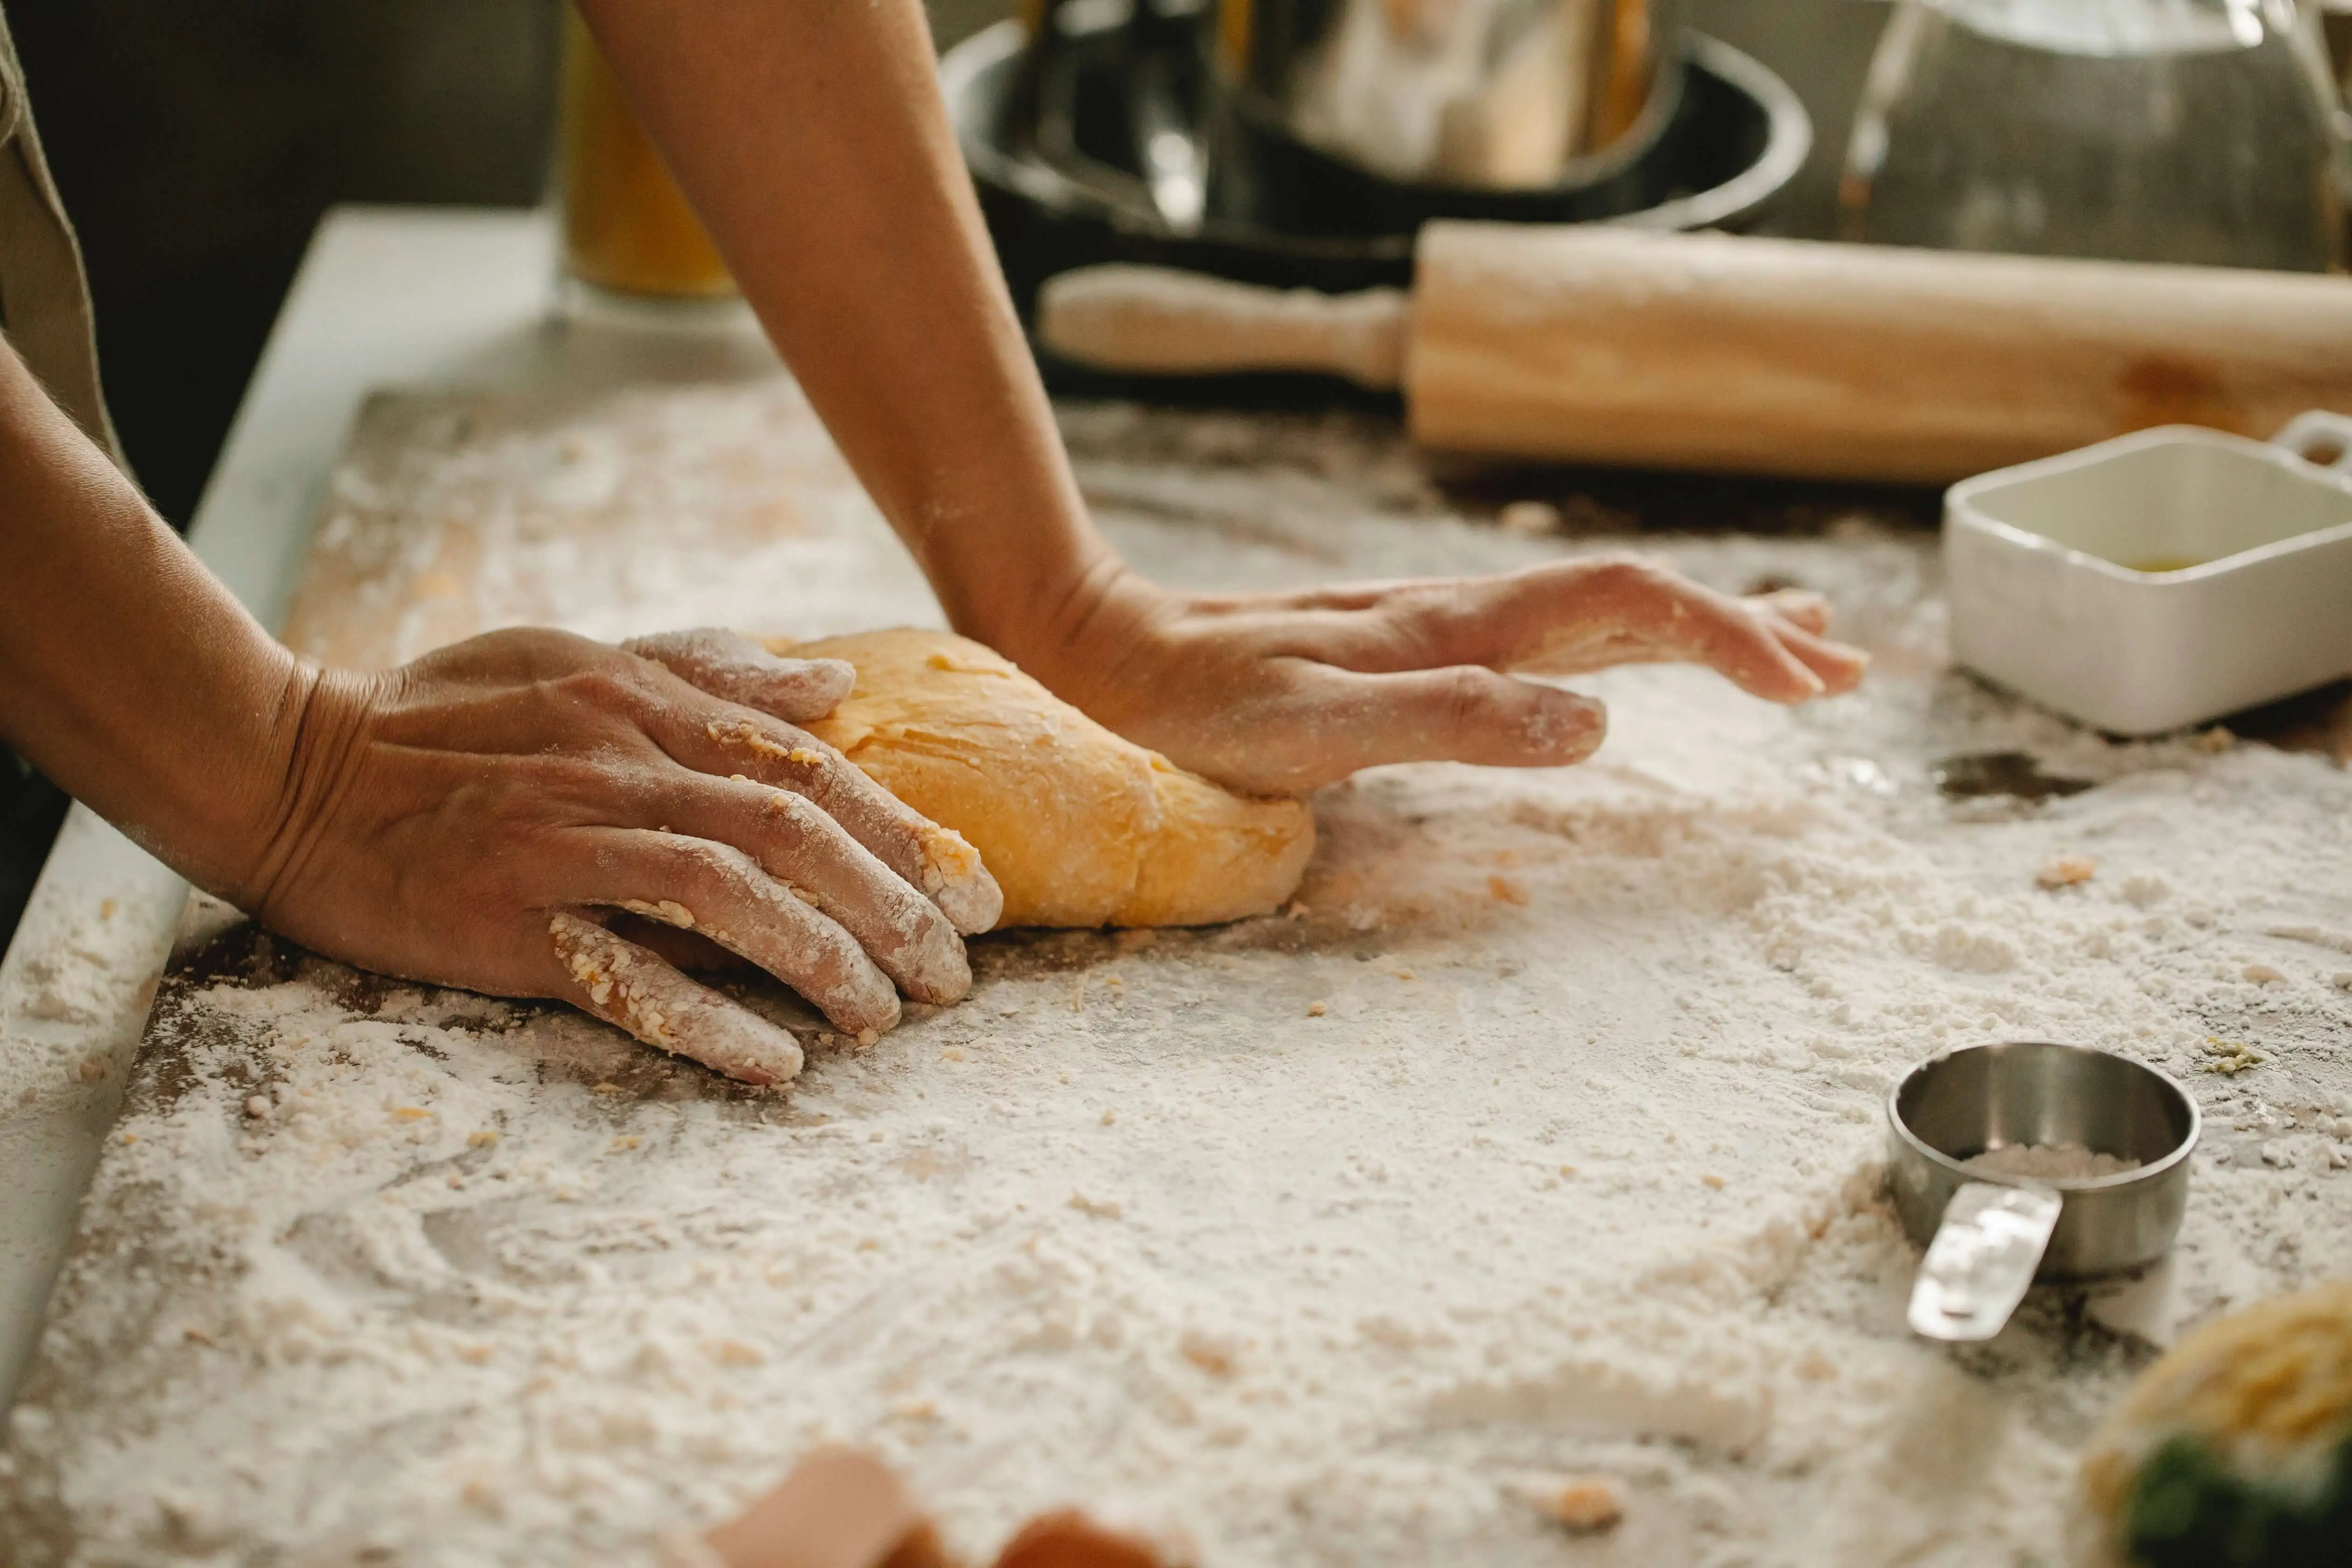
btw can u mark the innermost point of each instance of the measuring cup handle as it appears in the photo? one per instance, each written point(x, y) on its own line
point(1985, 1254)
point(2319, 437)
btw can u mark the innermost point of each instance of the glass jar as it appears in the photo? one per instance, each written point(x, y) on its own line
point(2187, 130)
point(627, 227)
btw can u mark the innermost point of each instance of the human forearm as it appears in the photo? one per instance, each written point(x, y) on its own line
point(127, 672)
point(811, 138)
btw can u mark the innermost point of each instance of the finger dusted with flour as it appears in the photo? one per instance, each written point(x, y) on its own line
point(1284, 692)
point(801, 847)
point(764, 743)
point(629, 988)
point(721, 892)
point(936, 859)
point(733, 668)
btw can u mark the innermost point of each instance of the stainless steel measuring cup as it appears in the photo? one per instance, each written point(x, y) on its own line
point(1989, 1235)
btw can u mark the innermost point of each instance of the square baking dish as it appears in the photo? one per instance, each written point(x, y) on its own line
point(2158, 580)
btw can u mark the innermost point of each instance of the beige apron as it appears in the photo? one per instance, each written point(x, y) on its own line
point(44, 300)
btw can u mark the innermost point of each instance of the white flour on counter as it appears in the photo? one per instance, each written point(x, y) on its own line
point(1541, 1141)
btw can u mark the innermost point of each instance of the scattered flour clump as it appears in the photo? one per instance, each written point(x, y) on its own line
point(2050, 1162)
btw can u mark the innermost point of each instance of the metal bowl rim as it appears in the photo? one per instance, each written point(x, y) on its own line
point(1787, 131)
point(2120, 1181)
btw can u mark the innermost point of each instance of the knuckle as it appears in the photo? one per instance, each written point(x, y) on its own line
point(705, 870)
point(1416, 619)
point(1466, 697)
point(794, 815)
point(544, 653)
point(605, 686)
point(1623, 570)
point(661, 647)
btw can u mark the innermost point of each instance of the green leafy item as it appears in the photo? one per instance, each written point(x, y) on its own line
point(2234, 1450)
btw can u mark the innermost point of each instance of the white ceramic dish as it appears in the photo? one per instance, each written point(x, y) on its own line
point(2048, 567)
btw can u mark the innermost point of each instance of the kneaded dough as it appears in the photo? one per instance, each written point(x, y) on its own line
point(1078, 827)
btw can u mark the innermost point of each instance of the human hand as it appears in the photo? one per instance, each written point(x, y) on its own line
point(472, 818)
point(842, 1509)
point(1281, 693)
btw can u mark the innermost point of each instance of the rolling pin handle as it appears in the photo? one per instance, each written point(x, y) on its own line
point(1161, 321)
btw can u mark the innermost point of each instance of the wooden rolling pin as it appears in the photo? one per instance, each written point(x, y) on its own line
point(1610, 345)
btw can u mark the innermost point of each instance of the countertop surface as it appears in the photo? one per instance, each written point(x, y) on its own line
point(1539, 1139)
point(386, 297)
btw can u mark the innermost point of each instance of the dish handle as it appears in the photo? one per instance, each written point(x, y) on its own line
point(2319, 437)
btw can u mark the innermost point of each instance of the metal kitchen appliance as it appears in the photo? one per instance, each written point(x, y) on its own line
point(1079, 152)
point(1989, 1236)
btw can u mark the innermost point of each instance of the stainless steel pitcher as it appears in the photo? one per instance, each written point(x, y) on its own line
point(1487, 94)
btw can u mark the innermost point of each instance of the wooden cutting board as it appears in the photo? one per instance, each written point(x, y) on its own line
point(610, 514)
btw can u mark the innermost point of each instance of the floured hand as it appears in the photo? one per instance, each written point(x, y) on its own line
point(1280, 693)
point(476, 817)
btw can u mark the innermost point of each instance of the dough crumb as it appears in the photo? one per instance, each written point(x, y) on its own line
point(2231, 1056)
point(1096, 1208)
point(2066, 871)
point(1110, 1118)
point(1315, 1009)
point(2213, 742)
point(482, 1140)
point(2263, 973)
point(1713, 1181)
point(258, 1107)
point(1506, 891)
point(1583, 1505)
point(1215, 1356)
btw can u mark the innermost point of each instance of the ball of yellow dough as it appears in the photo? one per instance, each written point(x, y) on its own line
point(1079, 826)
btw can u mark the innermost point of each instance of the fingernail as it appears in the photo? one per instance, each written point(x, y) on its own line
point(1571, 722)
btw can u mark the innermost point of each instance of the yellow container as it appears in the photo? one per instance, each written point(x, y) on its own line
point(626, 225)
